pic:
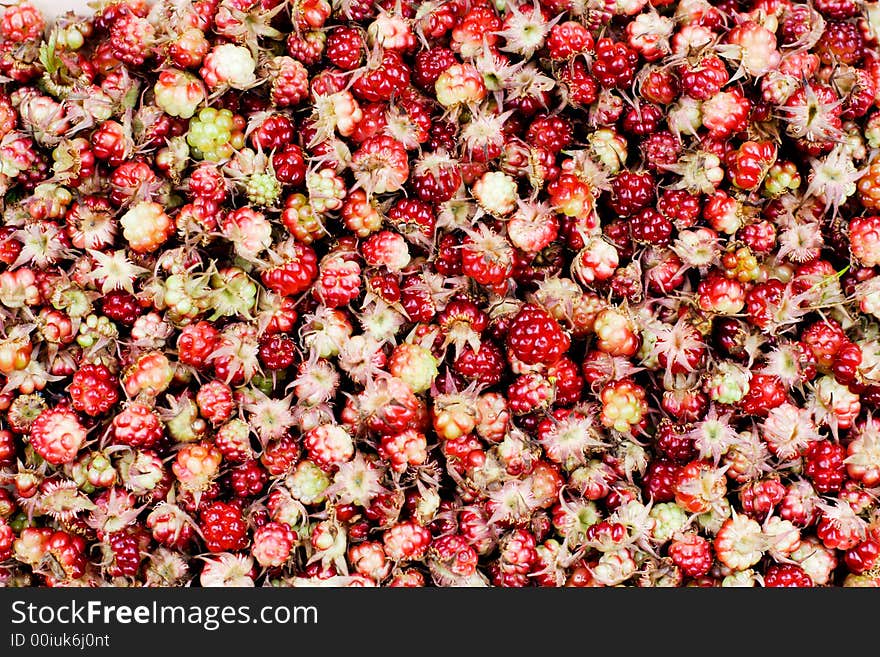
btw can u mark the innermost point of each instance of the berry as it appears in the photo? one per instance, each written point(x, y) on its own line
point(223, 527)
point(693, 554)
point(862, 557)
point(535, 336)
point(758, 498)
point(459, 84)
point(228, 65)
point(93, 390)
point(864, 234)
point(146, 227)
point(839, 527)
point(824, 465)
point(21, 23)
point(485, 364)
point(838, 9)
point(131, 37)
point(279, 456)
point(273, 543)
point(486, 257)
point(57, 435)
point(550, 132)
point(380, 165)
point(215, 402)
point(277, 352)
point(328, 445)
point(214, 134)
point(275, 131)
point(345, 48)
point(660, 480)
point(248, 479)
point(290, 84)
point(435, 177)
point(705, 79)
point(615, 63)
point(137, 426)
point(68, 552)
point(295, 274)
point(623, 406)
point(765, 393)
point(787, 575)
point(651, 227)
point(430, 63)
point(567, 39)
point(862, 462)
point(406, 541)
point(124, 549)
point(699, 486)
point(121, 307)
point(841, 42)
point(382, 80)
point(631, 192)
point(196, 343)
point(869, 188)
point(178, 93)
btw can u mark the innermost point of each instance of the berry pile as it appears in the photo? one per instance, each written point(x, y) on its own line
point(462, 293)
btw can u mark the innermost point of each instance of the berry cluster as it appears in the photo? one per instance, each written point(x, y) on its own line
point(467, 293)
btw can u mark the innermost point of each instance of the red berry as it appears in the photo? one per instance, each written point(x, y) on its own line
point(121, 307)
point(430, 63)
point(383, 81)
point(289, 164)
point(692, 553)
point(345, 47)
point(765, 393)
point(7, 538)
point(137, 426)
point(615, 63)
point(660, 480)
point(485, 364)
point(787, 575)
point(248, 479)
point(223, 527)
point(552, 132)
point(567, 39)
point(651, 227)
point(277, 351)
point(824, 339)
point(93, 389)
point(824, 465)
point(280, 455)
point(57, 435)
point(295, 274)
point(126, 551)
point(863, 556)
point(632, 191)
point(275, 131)
point(760, 497)
point(536, 337)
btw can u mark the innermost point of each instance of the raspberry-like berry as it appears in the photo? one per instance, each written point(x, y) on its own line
point(824, 465)
point(57, 435)
point(536, 337)
point(692, 554)
point(93, 389)
point(787, 575)
point(223, 527)
point(137, 426)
